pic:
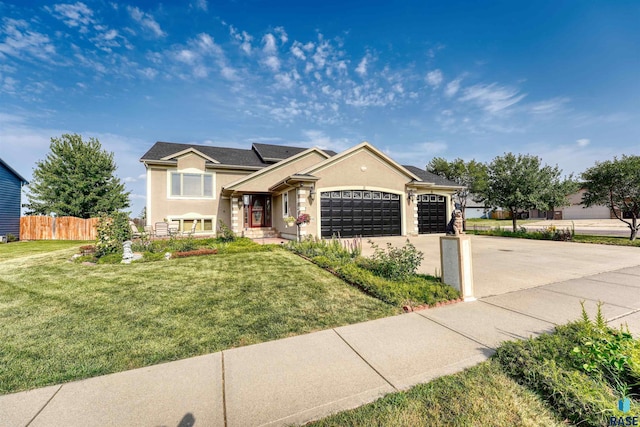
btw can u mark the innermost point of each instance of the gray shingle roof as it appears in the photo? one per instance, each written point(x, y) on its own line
point(429, 177)
point(261, 155)
point(226, 156)
point(270, 153)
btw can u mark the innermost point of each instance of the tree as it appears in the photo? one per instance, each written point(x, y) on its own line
point(616, 184)
point(471, 175)
point(520, 183)
point(76, 179)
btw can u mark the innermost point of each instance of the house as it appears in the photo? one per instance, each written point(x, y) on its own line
point(575, 210)
point(10, 192)
point(358, 192)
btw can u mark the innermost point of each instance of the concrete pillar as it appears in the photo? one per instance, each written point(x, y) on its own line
point(455, 262)
point(235, 215)
point(301, 206)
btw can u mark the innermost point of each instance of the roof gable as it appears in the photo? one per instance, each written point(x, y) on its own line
point(189, 150)
point(10, 169)
point(270, 153)
point(363, 146)
point(262, 172)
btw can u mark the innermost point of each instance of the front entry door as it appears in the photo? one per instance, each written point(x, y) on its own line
point(259, 211)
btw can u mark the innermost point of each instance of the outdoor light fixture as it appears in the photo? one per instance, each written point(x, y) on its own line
point(312, 192)
point(411, 195)
point(245, 199)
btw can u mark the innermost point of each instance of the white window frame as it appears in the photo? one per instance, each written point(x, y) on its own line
point(190, 172)
point(180, 219)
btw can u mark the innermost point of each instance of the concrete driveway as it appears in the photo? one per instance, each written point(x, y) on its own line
point(502, 264)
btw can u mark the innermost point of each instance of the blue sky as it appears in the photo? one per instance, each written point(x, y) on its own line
point(417, 79)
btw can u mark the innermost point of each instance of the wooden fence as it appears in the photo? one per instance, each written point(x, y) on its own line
point(59, 228)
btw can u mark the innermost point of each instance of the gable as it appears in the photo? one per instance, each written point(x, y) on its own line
point(359, 153)
point(263, 179)
point(11, 171)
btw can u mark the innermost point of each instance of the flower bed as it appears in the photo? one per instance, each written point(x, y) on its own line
point(196, 252)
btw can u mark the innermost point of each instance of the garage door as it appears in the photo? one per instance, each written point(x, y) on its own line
point(579, 212)
point(359, 213)
point(432, 214)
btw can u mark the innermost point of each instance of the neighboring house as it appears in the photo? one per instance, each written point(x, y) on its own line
point(575, 210)
point(10, 192)
point(359, 192)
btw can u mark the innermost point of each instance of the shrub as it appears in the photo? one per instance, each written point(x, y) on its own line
point(113, 230)
point(576, 369)
point(394, 263)
point(11, 238)
point(225, 233)
point(110, 259)
point(151, 257)
point(334, 250)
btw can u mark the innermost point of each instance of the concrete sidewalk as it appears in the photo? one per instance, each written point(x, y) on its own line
point(294, 380)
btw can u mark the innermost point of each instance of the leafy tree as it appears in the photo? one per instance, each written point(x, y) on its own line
point(471, 175)
point(76, 179)
point(616, 184)
point(520, 183)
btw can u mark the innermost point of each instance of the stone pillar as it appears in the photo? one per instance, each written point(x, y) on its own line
point(301, 206)
point(235, 214)
point(455, 262)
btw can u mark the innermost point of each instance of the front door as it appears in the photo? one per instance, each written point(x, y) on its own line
point(259, 211)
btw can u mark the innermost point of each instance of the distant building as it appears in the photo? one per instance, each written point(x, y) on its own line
point(575, 210)
point(10, 192)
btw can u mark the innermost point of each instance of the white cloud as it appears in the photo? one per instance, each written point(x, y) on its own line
point(74, 15)
point(317, 138)
point(297, 50)
point(492, 98)
point(361, 69)
point(201, 4)
point(548, 106)
point(282, 34)
point(269, 44)
point(272, 62)
point(20, 40)
point(452, 87)
point(146, 20)
point(434, 78)
point(583, 142)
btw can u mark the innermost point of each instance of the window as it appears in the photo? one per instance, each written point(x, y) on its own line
point(191, 185)
point(285, 204)
point(185, 224)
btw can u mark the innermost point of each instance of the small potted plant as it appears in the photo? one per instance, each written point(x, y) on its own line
point(289, 220)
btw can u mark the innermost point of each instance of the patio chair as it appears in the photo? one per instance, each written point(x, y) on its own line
point(135, 233)
point(161, 229)
point(173, 228)
point(193, 229)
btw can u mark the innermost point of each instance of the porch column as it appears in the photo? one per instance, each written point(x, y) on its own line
point(416, 229)
point(235, 215)
point(301, 205)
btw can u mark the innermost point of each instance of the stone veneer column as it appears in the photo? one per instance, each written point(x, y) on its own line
point(301, 205)
point(416, 228)
point(235, 214)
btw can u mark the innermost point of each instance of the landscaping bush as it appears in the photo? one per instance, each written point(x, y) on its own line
point(412, 291)
point(197, 252)
point(393, 263)
point(334, 250)
point(225, 234)
point(581, 369)
point(112, 230)
point(110, 259)
point(549, 233)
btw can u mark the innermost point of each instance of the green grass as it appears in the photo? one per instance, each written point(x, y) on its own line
point(63, 321)
point(606, 240)
point(479, 396)
point(503, 223)
point(25, 249)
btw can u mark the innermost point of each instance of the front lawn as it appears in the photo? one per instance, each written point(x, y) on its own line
point(24, 249)
point(62, 321)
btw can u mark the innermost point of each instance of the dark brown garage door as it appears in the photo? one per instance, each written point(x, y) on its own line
point(432, 214)
point(359, 213)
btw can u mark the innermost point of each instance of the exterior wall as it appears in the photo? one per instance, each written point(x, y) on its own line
point(576, 209)
point(471, 212)
point(362, 170)
point(160, 206)
point(278, 222)
point(10, 189)
point(277, 173)
point(191, 161)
